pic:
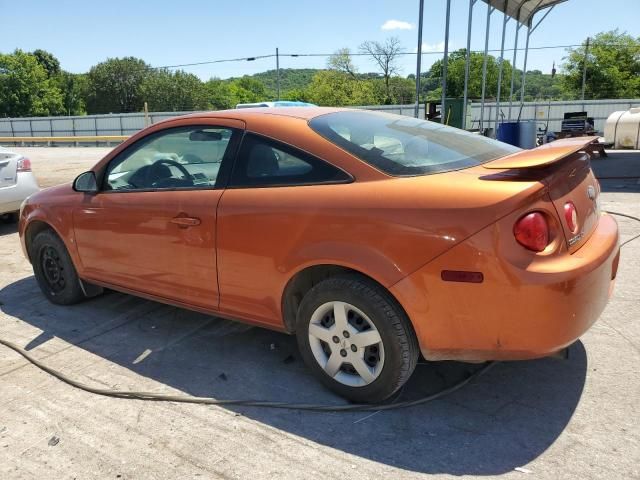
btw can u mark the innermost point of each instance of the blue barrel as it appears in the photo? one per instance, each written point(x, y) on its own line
point(528, 138)
point(509, 132)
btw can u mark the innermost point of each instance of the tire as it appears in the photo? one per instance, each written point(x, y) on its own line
point(369, 370)
point(11, 217)
point(54, 270)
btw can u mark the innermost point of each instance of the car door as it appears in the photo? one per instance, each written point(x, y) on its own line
point(151, 228)
point(267, 212)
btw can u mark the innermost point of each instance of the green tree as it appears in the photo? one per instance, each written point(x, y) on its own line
point(341, 61)
point(332, 88)
point(166, 91)
point(613, 67)
point(540, 85)
point(401, 90)
point(248, 90)
point(25, 87)
point(115, 85)
point(385, 55)
point(290, 79)
point(297, 95)
point(74, 91)
point(218, 94)
point(455, 76)
point(48, 61)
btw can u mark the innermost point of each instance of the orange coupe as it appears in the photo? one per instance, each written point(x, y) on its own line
point(372, 237)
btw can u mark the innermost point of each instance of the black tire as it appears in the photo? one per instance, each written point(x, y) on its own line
point(398, 338)
point(11, 217)
point(54, 270)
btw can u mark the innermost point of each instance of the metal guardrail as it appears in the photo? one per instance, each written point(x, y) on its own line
point(108, 139)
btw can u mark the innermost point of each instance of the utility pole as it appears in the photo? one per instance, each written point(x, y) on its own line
point(277, 74)
point(584, 67)
point(445, 62)
point(417, 110)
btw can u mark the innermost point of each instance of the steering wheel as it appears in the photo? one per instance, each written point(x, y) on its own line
point(172, 163)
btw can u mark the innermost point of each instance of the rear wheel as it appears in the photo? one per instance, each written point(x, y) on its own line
point(54, 270)
point(356, 338)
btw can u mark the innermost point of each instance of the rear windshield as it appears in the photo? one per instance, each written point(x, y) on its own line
point(404, 146)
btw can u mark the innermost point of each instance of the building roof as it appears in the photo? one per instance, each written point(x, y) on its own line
point(522, 10)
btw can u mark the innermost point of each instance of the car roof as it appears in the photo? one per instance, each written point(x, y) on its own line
point(277, 103)
point(306, 113)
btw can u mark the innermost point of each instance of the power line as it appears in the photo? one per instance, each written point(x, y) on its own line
point(240, 59)
point(361, 54)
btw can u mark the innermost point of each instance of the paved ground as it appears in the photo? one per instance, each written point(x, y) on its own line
point(572, 419)
point(56, 165)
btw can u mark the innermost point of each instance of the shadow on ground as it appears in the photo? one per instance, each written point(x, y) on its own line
point(7, 227)
point(619, 171)
point(502, 420)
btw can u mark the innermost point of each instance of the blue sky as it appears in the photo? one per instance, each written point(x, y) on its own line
point(82, 33)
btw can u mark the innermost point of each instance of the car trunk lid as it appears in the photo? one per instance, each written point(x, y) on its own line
point(564, 167)
point(8, 169)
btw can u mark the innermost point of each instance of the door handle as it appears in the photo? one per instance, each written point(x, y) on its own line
point(184, 222)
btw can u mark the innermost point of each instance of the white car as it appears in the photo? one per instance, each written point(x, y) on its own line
point(17, 181)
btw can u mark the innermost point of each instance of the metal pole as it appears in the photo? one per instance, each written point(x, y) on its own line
point(584, 68)
point(419, 59)
point(467, 61)
point(530, 30)
point(146, 115)
point(505, 20)
point(445, 65)
point(513, 67)
point(278, 73)
point(524, 67)
point(484, 65)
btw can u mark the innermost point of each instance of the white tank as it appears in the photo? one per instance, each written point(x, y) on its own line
point(622, 129)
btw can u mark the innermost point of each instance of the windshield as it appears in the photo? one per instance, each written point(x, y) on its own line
point(404, 146)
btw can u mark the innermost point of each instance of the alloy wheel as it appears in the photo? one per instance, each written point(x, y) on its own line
point(346, 344)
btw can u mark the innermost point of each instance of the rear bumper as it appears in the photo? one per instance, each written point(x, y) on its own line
point(521, 310)
point(11, 197)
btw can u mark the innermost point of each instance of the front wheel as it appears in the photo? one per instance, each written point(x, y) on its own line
point(54, 270)
point(356, 338)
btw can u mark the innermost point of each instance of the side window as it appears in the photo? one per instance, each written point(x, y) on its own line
point(184, 157)
point(262, 162)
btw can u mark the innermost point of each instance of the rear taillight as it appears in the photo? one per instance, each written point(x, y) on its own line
point(24, 165)
point(532, 231)
point(571, 216)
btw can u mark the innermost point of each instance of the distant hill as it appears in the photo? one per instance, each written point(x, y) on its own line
point(290, 78)
point(294, 78)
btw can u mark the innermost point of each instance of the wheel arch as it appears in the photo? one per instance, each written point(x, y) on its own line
point(306, 278)
point(34, 228)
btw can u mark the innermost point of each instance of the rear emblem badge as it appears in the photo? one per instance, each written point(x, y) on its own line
point(591, 192)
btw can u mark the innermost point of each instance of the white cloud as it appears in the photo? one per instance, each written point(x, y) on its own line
point(435, 47)
point(396, 25)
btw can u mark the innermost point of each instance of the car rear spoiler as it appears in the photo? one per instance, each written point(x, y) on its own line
point(542, 156)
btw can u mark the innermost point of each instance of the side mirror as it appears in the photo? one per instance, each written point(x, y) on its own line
point(86, 182)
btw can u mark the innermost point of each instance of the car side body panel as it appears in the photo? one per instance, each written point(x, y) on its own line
point(379, 228)
point(401, 232)
point(130, 239)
